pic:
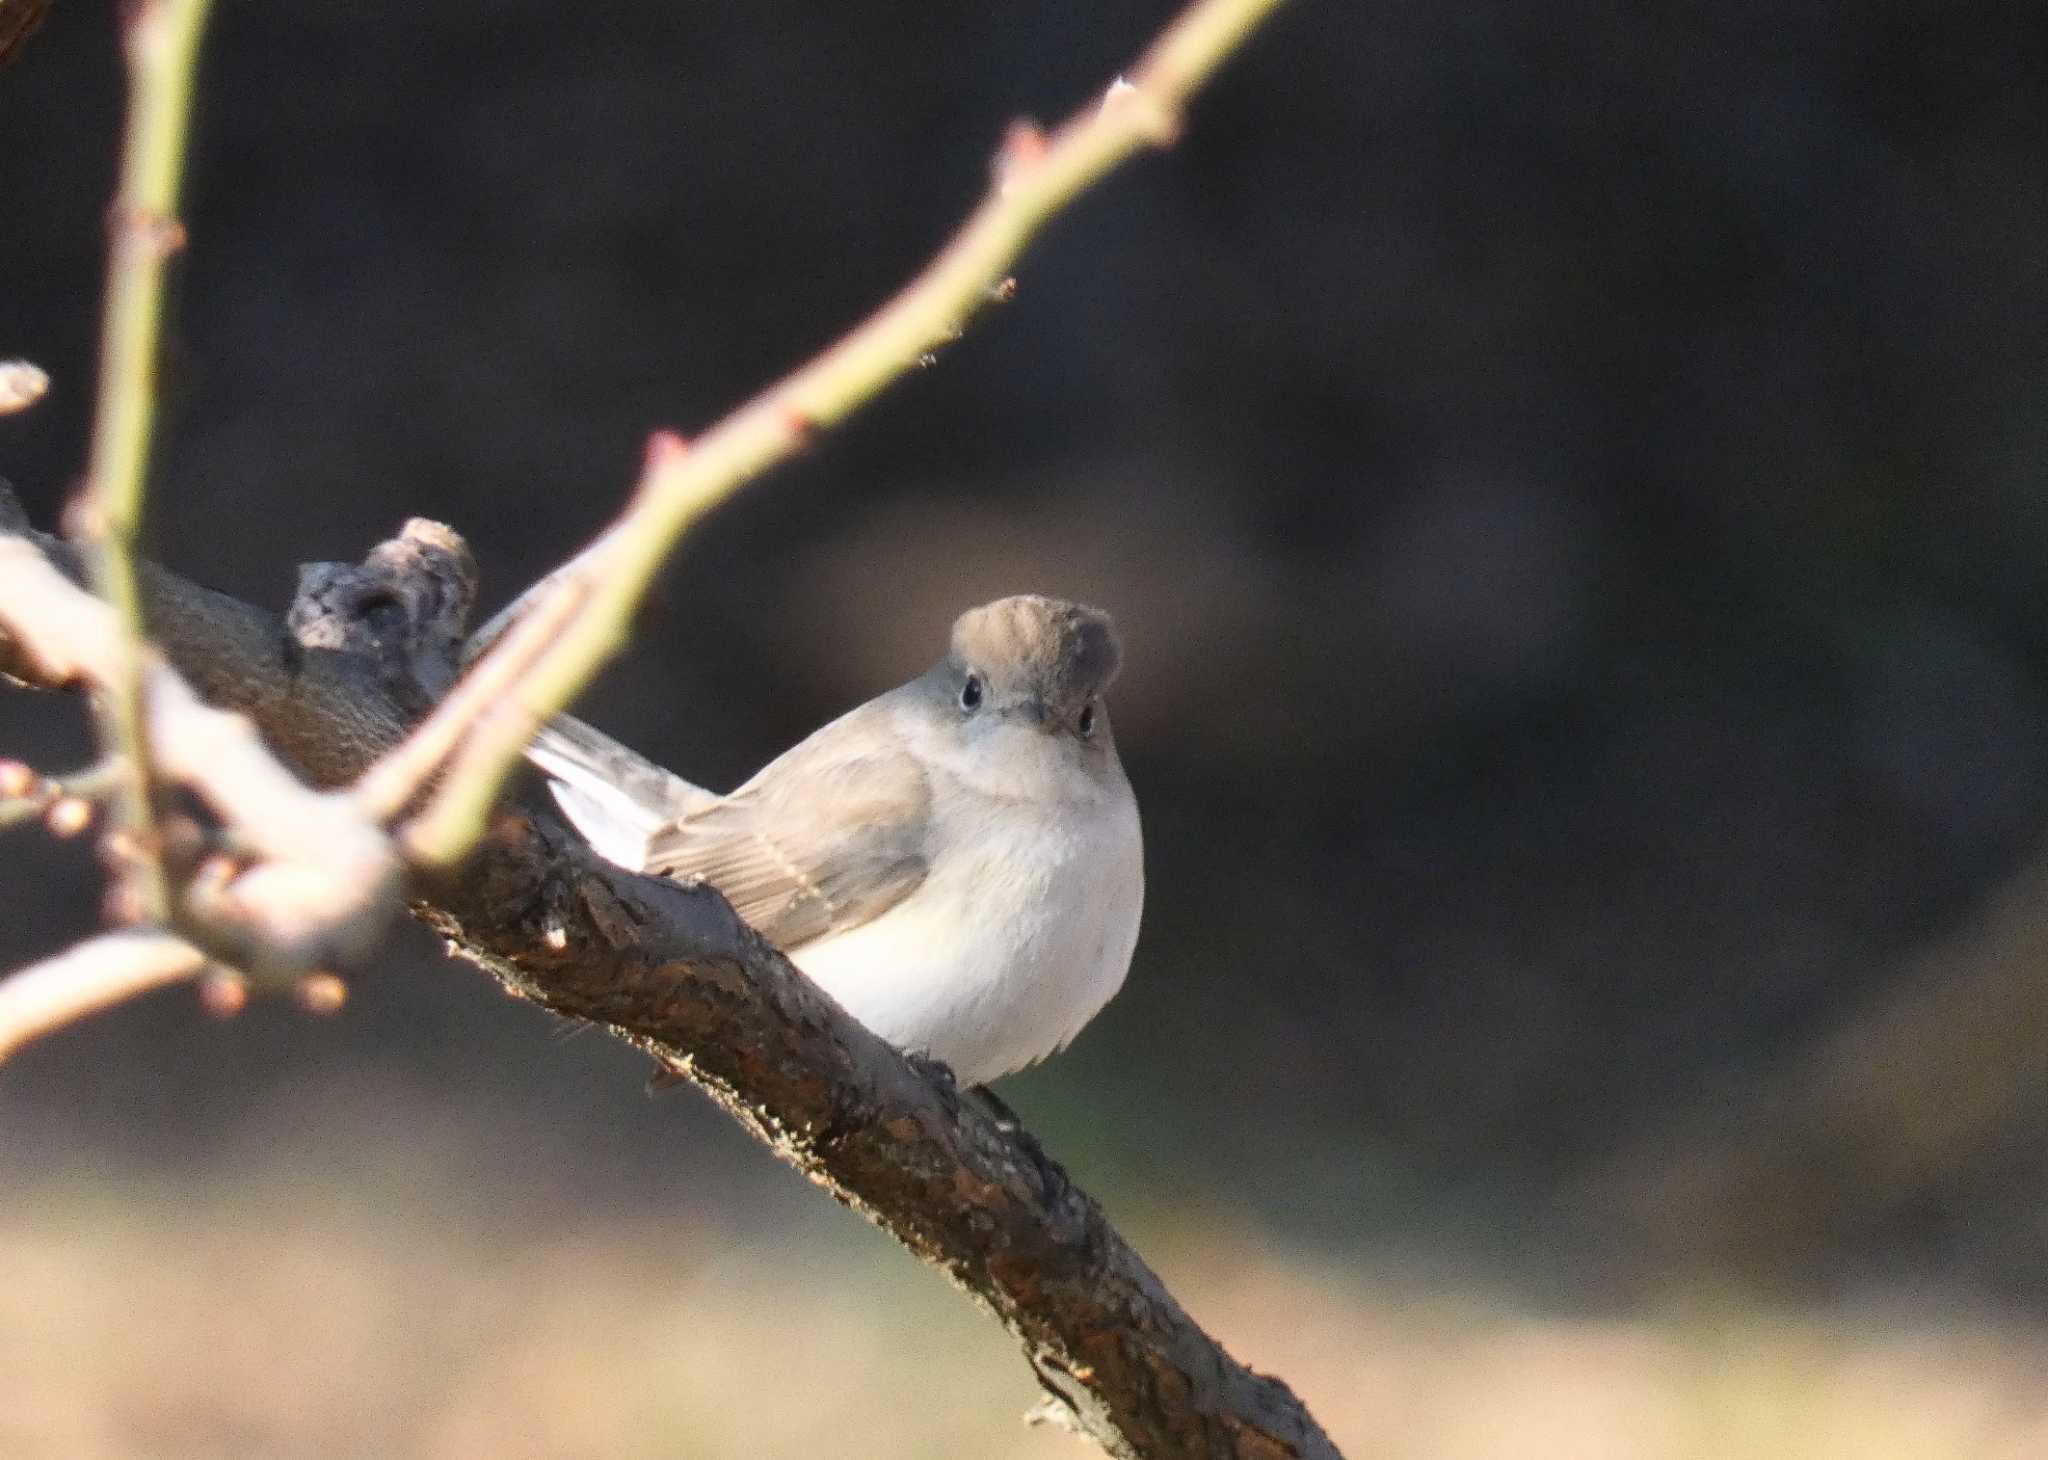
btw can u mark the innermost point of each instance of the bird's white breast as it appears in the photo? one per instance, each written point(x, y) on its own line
point(1021, 931)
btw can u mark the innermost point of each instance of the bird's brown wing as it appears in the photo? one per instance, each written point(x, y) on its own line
point(829, 835)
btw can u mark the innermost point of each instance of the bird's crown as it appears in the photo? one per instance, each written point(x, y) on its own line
point(1066, 652)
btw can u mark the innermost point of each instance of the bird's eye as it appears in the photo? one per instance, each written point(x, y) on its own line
point(970, 694)
point(1086, 723)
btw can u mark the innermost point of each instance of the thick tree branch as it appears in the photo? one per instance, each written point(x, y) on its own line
point(674, 972)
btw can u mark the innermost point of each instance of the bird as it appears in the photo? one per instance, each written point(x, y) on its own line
point(958, 861)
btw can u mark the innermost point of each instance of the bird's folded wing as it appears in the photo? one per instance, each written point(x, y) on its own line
point(615, 796)
point(827, 837)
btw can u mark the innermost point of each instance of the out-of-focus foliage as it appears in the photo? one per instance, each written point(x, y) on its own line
point(296, 1318)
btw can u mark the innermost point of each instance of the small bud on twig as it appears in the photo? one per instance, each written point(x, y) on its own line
point(21, 385)
point(223, 994)
point(83, 516)
point(1023, 149)
point(211, 878)
point(1155, 123)
point(321, 993)
point(664, 447)
point(68, 816)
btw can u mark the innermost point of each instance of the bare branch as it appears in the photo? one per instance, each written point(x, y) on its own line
point(162, 41)
point(24, 794)
point(88, 978)
point(1037, 176)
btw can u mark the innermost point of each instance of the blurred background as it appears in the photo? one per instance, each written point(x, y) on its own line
point(1569, 479)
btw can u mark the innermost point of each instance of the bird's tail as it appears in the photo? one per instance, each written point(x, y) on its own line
point(615, 796)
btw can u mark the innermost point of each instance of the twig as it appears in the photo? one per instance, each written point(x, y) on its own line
point(88, 977)
point(24, 794)
point(1037, 176)
point(22, 382)
point(162, 41)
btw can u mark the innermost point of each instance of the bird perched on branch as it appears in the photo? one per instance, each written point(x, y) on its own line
point(957, 861)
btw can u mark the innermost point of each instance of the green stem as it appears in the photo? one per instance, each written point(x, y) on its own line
point(162, 43)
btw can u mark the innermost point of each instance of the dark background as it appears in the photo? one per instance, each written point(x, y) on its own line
point(1568, 476)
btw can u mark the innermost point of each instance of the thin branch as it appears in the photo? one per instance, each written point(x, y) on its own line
point(162, 41)
point(1037, 176)
point(24, 794)
point(89, 977)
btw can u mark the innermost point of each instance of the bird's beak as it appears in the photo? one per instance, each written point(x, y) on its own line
point(1034, 713)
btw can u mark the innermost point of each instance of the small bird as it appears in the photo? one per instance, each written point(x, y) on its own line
point(957, 861)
